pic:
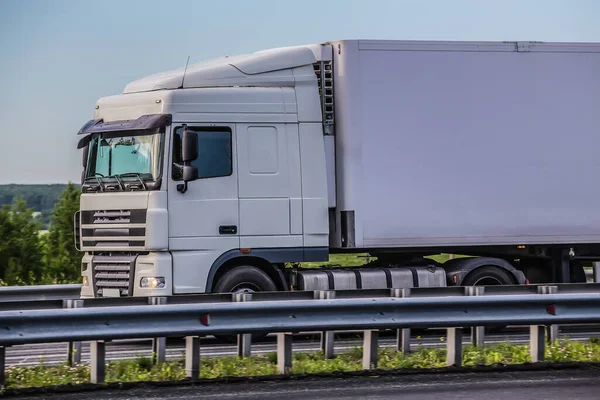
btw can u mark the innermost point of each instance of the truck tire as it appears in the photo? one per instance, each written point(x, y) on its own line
point(244, 279)
point(488, 276)
point(577, 272)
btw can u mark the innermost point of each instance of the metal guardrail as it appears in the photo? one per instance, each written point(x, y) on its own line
point(324, 311)
point(25, 297)
point(40, 292)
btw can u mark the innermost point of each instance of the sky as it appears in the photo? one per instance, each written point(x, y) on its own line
point(59, 56)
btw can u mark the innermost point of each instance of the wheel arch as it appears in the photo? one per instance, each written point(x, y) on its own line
point(232, 259)
point(266, 260)
point(458, 269)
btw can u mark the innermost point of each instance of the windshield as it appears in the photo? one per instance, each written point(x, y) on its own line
point(125, 157)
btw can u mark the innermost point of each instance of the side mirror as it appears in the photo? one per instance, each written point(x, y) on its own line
point(190, 173)
point(190, 146)
point(189, 154)
point(84, 157)
point(84, 160)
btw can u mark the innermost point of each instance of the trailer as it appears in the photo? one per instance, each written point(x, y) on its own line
point(228, 175)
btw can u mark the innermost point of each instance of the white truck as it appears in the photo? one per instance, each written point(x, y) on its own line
point(225, 176)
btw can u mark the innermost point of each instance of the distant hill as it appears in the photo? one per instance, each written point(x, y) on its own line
point(41, 198)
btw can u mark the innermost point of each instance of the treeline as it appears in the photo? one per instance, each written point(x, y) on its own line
point(31, 257)
point(41, 198)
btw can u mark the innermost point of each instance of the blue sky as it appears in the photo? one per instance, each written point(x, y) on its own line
point(59, 57)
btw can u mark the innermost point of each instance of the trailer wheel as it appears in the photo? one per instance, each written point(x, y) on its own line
point(244, 279)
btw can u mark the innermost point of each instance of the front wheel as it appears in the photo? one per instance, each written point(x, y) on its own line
point(244, 279)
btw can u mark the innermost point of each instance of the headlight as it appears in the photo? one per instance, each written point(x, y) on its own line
point(153, 282)
point(85, 281)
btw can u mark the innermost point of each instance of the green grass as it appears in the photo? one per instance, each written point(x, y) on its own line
point(356, 260)
point(142, 369)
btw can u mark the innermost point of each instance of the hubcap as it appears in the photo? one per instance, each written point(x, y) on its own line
point(245, 287)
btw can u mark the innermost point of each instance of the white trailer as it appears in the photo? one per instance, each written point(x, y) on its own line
point(221, 175)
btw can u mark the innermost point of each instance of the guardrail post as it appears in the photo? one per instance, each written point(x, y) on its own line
point(403, 334)
point(537, 345)
point(97, 361)
point(370, 348)
point(477, 332)
point(74, 348)
point(596, 272)
point(2, 365)
point(192, 357)
point(454, 347)
point(327, 341)
point(284, 352)
point(159, 345)
point(244, 340)
point(552, 330)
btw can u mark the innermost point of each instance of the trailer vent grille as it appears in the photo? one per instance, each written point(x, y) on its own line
point(324, 71)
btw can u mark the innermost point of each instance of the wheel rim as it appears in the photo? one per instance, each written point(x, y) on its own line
point(245, 287)
point(487, 281)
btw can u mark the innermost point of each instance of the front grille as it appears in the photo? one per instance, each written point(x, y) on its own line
point(113, 229)
point(112, 217)
point(114, 273)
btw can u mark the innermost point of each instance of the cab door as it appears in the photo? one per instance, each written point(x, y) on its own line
point(269, 185)
point(203, 221)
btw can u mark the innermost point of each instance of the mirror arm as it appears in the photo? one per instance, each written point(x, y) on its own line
point(182, 187)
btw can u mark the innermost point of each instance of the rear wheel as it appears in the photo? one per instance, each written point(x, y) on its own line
point(244, 279)
point(489, 276)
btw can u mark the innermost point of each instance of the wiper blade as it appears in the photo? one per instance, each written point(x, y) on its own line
point(96, 176)
point(135, 174)
point(118, 181)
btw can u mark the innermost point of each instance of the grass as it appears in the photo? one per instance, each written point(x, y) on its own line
point(356, 260)
point(142, 369)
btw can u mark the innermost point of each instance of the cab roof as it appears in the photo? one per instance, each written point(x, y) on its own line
point(263, 68)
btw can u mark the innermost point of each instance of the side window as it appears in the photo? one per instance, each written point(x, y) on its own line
point(214, 152)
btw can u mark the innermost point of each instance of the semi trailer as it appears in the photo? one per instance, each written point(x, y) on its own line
point(230, 174)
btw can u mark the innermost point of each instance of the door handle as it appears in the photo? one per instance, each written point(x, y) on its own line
point(227, 230)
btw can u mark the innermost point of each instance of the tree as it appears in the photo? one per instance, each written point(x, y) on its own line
point(61, 259)
point(41, 198)
point(20, 246)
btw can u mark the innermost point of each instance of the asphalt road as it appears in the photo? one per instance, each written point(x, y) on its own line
point(55, 353)
point(547, 385)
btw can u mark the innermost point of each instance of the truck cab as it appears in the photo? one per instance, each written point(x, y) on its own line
point(191, 172)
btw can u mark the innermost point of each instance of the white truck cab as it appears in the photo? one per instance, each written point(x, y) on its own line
point(257, 184)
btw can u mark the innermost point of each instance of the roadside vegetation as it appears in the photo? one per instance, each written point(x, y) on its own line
point(357, 260)
point(32, 253)
point(40, 197)
point(143, 370)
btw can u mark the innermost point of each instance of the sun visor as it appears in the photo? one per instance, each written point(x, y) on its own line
point(144, 125)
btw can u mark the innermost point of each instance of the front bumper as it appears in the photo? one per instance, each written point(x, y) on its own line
point(120, 275)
